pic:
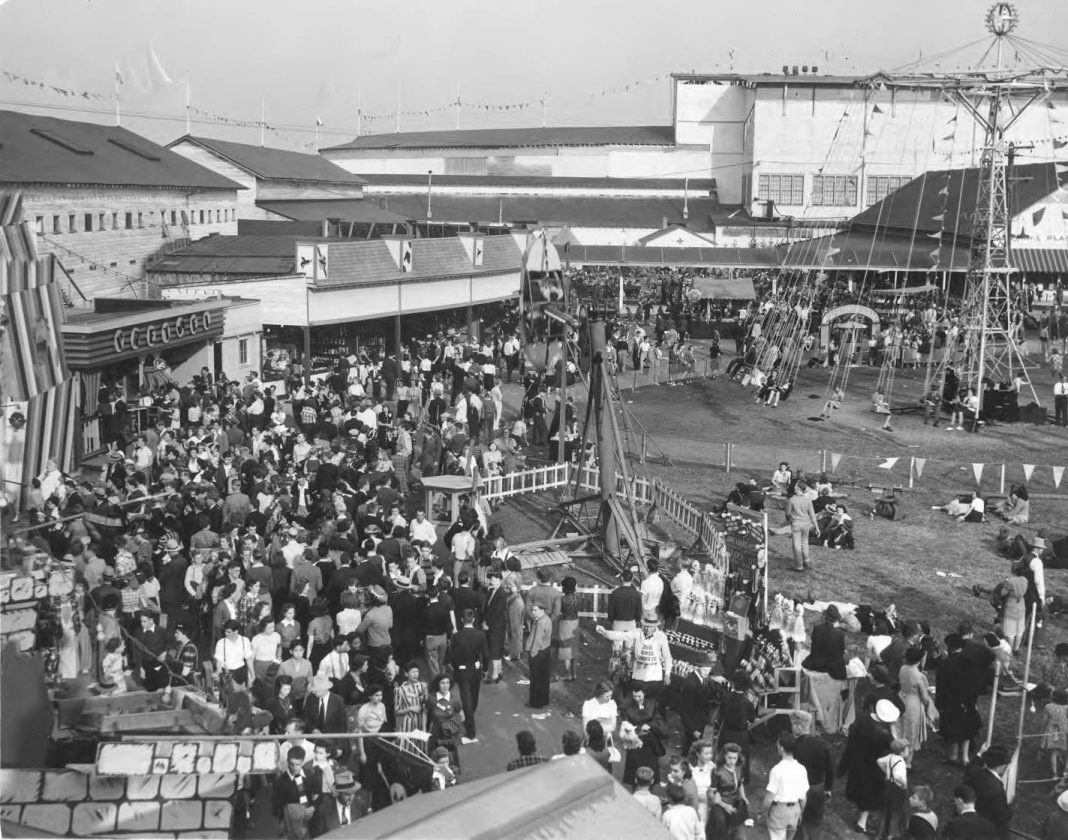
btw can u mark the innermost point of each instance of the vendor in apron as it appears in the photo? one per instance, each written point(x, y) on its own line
point(652, 656)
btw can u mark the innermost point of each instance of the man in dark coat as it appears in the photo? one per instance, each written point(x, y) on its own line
point(294, 794)
point(984, 777)
point(968, 825)
point(468, 654)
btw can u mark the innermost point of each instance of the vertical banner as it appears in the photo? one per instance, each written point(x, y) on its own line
point(1058, 474)
point(977, 471)
point(919, 464)
point(1029, 470)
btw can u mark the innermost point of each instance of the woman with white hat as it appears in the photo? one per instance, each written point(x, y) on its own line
point(869, 740)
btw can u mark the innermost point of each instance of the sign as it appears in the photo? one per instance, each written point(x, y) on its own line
point(161, 333)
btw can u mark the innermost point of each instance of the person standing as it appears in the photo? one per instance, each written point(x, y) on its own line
point(814, 754)
point(496, 624)
point(869, 740)
point(1060, 400)
point(786, 793)
point(624, 613)
point(539, 653)
point(802, 520)
point(652, 655)
point(468, 654)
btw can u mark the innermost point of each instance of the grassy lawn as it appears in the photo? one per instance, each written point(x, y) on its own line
point(926, 564)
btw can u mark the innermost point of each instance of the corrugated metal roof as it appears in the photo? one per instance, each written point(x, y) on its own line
point(1040, 260)
point(275, 164)
point(885, 250)
point(260, 255)
point(348, 210)
point(647, 135)
point(952, 193)
point(577, 211)
point(48, 150)
point(383, 180)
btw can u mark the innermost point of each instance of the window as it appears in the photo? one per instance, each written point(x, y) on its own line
point(747, 187)
point(834, 190)
point(782, 189)
point(129, 221)
point(140, 219)
point(226, 215)
point(174, 217)
point(114, 221)
point(202, 217)
point(57, 226)
point(101, 217)
point(242, 351)
point(879, 187)
point(40, 224)
point(88, 222)
point(72, 223)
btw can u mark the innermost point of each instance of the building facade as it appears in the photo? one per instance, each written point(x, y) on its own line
point(106, 201)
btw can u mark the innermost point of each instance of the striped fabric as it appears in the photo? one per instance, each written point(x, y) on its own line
point(52, 426)
point(33, 359)
point(90, 392)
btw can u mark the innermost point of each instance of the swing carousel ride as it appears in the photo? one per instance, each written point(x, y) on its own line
point(981, 318)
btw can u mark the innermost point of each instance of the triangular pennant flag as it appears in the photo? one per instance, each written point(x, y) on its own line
point(948, 137)
point(945, 188)
point(888, 464)
point(936, 235)
point(977, 469)
point(1036, 217)
point(938, 218)
point(875, 109)
point(919, 464)
point(1058, 474)
point(835, 458)
point(1029, 470)
point(1060, 144)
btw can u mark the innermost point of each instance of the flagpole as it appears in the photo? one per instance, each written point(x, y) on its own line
point(188, 129)
point(359, 110)
point(118, 105)
point(398, 107)
point(263, 120)
point(316, 135)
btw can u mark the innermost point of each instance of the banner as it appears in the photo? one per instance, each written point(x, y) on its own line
point(977, 470)
point(1028, 471)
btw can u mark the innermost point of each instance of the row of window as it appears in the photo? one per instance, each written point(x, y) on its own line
point(826, 190)
point(131, 220)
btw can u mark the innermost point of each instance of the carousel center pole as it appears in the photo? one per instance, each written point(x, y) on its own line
point(606, 442)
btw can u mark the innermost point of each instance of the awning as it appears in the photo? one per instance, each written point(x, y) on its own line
point(681, 257)
point(1040, 260)
point(735, 288)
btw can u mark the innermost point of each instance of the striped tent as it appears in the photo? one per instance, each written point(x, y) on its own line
point(39, 396)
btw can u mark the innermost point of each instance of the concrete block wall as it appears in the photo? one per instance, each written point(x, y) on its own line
point(115, 249)
point(69, 803)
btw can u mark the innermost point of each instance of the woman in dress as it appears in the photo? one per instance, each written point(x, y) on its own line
point(644, 740)
point(869, 740)
point(446, 718)
point(409, 700)
point(567, 627)
point(597, 746)
point(281, 705)
point(515, 618)
point(702, 766)
point(266, 652)
point(956, 701)
point(601, 708)
point(915, 691)
point(370, 718)
point(496, 613)
point(728, 807)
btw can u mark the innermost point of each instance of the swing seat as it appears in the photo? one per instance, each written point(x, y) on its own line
point(881, 408)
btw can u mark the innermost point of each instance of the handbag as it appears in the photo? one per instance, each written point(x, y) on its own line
point(614, 754)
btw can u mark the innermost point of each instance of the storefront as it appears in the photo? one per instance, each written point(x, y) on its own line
point(135, 344)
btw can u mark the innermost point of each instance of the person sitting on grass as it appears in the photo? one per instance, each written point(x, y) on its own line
point(1016, 507)
point(967, 508)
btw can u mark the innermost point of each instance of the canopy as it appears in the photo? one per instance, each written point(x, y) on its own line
point(568, 798)
point(734, 288)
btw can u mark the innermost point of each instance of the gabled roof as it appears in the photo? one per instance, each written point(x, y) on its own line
point(648, 135)
point(952, 193)
point(348, 210)
point(383, 181)
point(266, 255)
point(577, 211)
point(48, 150)
point(275, 164)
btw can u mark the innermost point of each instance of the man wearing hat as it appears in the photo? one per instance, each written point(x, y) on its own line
point(172, 592)
point(652, 655)
point(336, 809)
point(1056, 825)
point(869, 739)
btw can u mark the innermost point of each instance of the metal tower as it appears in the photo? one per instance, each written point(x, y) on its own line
point(996, 97)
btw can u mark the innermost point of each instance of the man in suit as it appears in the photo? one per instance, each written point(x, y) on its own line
point(624, 608)
point(984, 777)
point(968, 825)
point(468, 655)
point(324, 711)
point(294, 796)
point(335, 810)
point(465, 598)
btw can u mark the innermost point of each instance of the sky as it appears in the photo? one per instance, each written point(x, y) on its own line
point(564, 62)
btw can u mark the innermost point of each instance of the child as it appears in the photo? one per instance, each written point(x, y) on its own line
point(519, 432)
point(444, 774)
point(931, 404)
point(113, 678)
point(832, 404)
point(1055, 730)
point(956, 413)
point(894, 767)
point(643, 781)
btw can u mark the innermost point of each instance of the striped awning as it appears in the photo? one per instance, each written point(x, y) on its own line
point(1041, 260)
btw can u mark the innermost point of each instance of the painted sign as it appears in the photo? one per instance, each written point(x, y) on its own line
point(161, 333)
